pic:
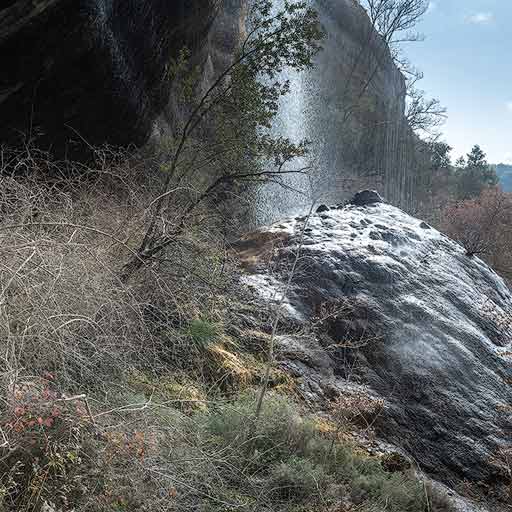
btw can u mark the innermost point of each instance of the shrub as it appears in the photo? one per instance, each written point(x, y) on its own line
point(482, 226)
point(44, 455)
point(203, 332)
point(297, 479)
point(294, 463)
point(140, 353)
point(147, 456)
point(280, 432)
point(63, 241)
point(396, 492)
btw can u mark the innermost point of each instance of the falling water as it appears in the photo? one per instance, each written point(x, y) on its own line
point(373, 148)
point(294, 194)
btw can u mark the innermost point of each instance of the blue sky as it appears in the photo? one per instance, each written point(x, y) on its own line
point(467, 61)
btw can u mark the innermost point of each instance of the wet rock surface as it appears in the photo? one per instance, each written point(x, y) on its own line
point(398, 307)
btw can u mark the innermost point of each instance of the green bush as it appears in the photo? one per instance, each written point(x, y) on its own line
point(286, 458)
point(297, 480)
point(397, 492)
point(279, 434)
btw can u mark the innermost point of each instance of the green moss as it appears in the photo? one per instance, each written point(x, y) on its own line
point(173, 391)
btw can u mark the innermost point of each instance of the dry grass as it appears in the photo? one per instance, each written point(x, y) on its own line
point(63, 241)
point(70, 326)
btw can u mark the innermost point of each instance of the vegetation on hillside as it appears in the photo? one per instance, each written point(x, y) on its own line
point(483, 226)
point(129, 367)
point(141, 395)
point(466, 202)
point(504, 173)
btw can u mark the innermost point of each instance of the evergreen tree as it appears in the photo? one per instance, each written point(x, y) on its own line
point(474, 174)
point(477, 158)
point(441, 158)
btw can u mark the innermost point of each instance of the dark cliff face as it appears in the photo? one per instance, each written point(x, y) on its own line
point(97, 68)
point(213, 57)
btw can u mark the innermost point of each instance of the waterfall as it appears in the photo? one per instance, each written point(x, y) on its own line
point(372, 147)
point(294, 195)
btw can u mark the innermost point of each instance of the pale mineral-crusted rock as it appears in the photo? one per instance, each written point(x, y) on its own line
point(433, 326)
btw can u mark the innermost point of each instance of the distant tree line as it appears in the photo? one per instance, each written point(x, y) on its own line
point(444, 182)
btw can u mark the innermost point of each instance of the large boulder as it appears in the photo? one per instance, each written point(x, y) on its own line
point(91, 70)
point(398, 307)
point(366, 197)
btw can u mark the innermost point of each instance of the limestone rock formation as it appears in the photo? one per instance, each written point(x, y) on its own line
point(352, 108)
point(394, 305)
point(95, 71)
point(224, 36)
point(355, 110)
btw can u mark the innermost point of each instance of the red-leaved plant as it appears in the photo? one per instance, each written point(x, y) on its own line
point(41, 446)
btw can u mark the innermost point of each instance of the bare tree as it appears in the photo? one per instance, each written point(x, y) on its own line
point(278, 316)
point(482, 226)
point(395, 20)
point(424, 114)
point(391, 24)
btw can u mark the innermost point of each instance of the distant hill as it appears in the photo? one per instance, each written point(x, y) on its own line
point(504, 173)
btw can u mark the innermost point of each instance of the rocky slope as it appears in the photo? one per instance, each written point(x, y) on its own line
point(398, 307)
